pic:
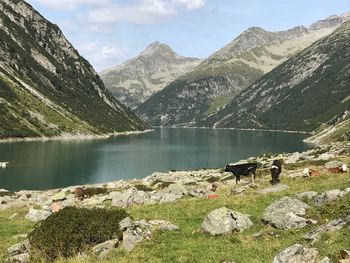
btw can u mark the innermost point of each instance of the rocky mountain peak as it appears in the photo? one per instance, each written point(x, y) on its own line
point(330, 21)
point(157, 48)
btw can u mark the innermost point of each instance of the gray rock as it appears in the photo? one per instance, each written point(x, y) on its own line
point(325, 156)
point(273, 189)
point(333, 164)
point(328, 196)
point(103, 249)
point(224, 221)
point(237, 191)
point(125, 224)
point(163, 225)
point(286, 213)
point(19, 248)
point(293, 158)
point(61, 195)
point(309, 195)
point(315, 235)
point(131, 237)
point(21, 258)
point(325, 260)
point(296, 254)
point(35, 215)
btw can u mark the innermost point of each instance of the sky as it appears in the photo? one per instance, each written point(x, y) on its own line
point(108, 32)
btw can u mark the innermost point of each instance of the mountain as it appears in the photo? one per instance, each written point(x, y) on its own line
point(307, 90)
point(46, 87)
point(137, 79)
point(227, 72)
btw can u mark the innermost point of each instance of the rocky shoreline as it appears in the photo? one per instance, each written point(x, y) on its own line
point(73, 137)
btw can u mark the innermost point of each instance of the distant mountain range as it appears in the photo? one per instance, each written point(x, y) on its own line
point(46, 88)
point(217, 80)
point(309, 89)
point(137, 79)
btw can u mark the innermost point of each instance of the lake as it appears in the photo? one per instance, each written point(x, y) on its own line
point(54, 164)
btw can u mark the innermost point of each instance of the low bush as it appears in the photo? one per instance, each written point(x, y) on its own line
point(73, 230)
point(96, 191)
point(142, 187)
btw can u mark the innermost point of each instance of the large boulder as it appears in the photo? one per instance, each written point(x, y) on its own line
point(333, 164)
point(20, 258)
point(309, 195)
point(35, 215)
point(293, 158)
point(296, 254)
point(329, 195)
point(225, 221)
point(286, 213)
point(273, 189)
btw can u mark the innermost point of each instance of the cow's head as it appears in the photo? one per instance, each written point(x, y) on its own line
point(227, 168)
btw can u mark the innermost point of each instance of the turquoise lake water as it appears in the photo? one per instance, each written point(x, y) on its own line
point(53, 164)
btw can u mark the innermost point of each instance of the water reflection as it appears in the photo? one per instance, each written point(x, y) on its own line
point(42, 165)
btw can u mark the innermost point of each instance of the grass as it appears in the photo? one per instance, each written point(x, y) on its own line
point(190, 244)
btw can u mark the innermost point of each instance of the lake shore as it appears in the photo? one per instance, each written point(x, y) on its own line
point(73, 137)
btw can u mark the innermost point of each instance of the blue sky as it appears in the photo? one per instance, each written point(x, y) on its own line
point(108, 32)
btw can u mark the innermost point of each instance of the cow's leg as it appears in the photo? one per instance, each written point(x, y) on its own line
point(253, 177)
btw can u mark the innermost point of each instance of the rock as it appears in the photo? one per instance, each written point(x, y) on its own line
point(273, 189)
point(131, 237)
point(344, 255)
point(35, 215)
point(55, 207)
point(163, 225)
point(293, 158)
point(59, 196)
point(21, 258)
point(168, 198)
point(296, 254)
point(328, 196)
point(285, 214)
point(19, 248)
point(325, 260)
point(125, 224)
point(333, 164)
point(13, 216)
point(237, 191)
point(325, 156)
point(315, 235)
point(309, 195)
point(224, 221)
point(103, 249)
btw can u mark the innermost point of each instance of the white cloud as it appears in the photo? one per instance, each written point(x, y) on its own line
point(103, 56)
point(68, 5)
point(141, 12)
point(190, 4)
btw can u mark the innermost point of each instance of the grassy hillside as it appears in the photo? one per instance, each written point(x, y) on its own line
point(47, 88)
point(257, 244)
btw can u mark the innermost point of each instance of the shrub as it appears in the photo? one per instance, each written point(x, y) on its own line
point(96, 191)
point(2, 194)
point(142, 187)
point(73, 230)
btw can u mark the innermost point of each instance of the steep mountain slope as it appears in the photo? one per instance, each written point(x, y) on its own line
point(307, 90)
point(227, 72)
point(137, 79)
point(46, 87)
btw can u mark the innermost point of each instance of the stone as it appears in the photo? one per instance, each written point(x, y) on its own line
point(163, 225)
point(131, 237)
point(334, 225)
point(293, 158)
point(55, 207)
point(325, 260)
point(333, 164)
point(328, 196)
point(225, 221)
point(273, 189)
point(61, 195)
point(105, 248)
point(35, 215)
point(325, 156)
point(237, 191)
point(125, 224)
point(309, 195)
point(296, 254)
point(21, 258)
point(286, 213)
point(13, 216)
point(19, 248)
point(344, 255)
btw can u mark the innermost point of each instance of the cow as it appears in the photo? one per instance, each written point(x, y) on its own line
point(242, 169)
point(275, 170)
point(79, 193)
